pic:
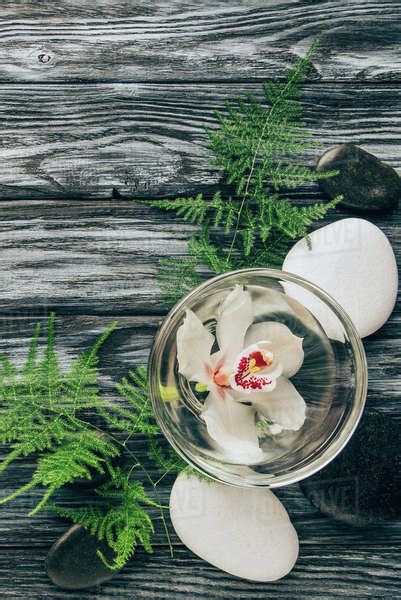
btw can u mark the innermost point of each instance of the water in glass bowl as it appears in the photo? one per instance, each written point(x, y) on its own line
point(325, 381)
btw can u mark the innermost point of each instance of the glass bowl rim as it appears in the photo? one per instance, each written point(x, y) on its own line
point(340, 439)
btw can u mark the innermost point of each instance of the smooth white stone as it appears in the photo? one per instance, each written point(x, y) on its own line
point(353, 261)
point(245, 532)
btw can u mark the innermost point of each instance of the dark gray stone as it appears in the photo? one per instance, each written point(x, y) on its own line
point(72, 562)
point(367, 183)
point(362, 485)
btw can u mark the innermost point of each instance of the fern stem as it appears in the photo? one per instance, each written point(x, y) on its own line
point(43, 501)
point(21, 490)
point(9, 459)
point(146, 473)
point(259, 142)
point(164, 475)
point(104, 560)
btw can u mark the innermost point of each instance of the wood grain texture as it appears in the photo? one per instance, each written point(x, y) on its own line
point(129, 345)
point(335, 560)
point(84, 141)
point(103, 101)
point(96, 257)
point(341, 573)
point(188, 41)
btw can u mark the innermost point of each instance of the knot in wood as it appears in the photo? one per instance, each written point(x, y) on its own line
point(44, 57)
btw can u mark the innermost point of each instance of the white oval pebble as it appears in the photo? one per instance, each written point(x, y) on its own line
point(243, 531)
point(353, 261)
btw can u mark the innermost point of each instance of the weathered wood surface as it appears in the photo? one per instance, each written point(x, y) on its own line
point(129, 345)
point(191, 41)
point(84, 141)
point(335, 560)
point(97, 257)
point(336, 572)
point(103, 101)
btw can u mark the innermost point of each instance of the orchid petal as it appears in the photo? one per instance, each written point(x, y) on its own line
point(232, 425)
point(284, 405)
point(194, 344)
point(286, 347)
point(234, 317)
point(251, 373)
point(216, 359)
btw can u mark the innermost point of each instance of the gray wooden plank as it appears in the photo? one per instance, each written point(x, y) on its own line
point(95, 257)
point(129, 346)
point(84, 141)
point(108, 264)
point(320, 574)
point(180, 40)
point(331, 554)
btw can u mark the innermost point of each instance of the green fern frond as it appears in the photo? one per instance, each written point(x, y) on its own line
point(217, 211)
point(137, 415)
point(122, 522)
point(256, 145)
point(31, 358)
point(38, 414)
point(79, 454)
point(80, 380)
point(209, 251)
point(49, 366)
point(295, 220)
point(38, 402)
point(192, 209)
point(177, 277)
point(166, 460)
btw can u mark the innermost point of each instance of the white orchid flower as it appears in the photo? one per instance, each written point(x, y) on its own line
point(247, 378)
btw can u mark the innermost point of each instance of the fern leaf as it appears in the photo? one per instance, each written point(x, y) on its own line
point(167, 461)
point(256, 145)
point(138, 415)
point(208, 251)
point(30, 362)
point(38, 402)
point(49, 367)
point(294, 220)
point(122, 521)
point(177, 277)
point(83, 374)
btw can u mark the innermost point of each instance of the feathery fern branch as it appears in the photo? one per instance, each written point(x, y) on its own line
point(39, 413)
point(38, 403)
point(138, 417)
point(256, 145)
point(122, 520)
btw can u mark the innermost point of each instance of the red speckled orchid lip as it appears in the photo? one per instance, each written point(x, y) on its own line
point(255, 370)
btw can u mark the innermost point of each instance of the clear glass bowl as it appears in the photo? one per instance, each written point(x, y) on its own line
point(332, 379)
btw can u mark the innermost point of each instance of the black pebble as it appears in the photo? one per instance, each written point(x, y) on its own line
point(72, 562)
point(362, 485)
point(367, 183)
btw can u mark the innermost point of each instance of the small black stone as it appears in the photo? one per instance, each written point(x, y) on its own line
point(72, 562)
point(362, 485)
point(367, 183)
